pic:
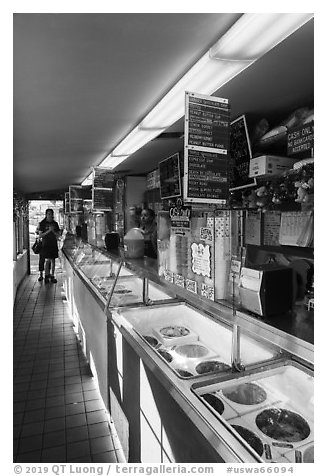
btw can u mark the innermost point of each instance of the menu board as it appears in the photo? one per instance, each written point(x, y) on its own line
point(207, 122)
point(241, 154)
point(206, 176)
point(207, 142)
point(170, 177)
point(102, 177)
point(76, 198)
point(102, 199)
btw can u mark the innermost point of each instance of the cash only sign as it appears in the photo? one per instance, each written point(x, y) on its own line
point(206, 149)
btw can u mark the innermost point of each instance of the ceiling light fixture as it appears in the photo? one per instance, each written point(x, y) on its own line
point(251, 37)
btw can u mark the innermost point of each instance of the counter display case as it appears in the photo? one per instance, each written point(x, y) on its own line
point(169, 366)
point(271, 410)
point(191, 343)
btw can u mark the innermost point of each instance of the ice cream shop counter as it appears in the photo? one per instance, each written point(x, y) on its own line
point(186, 379)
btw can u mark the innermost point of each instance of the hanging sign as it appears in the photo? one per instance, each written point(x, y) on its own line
point(241, 154)
point(102, 189)
point(75, 198)
point(207, 122)
point(206, 157)
point(102, 199)
point(170, 177)
point(103, 177)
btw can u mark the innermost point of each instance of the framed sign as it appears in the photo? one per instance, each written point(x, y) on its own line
point(103, 177)
point(170, 177)
point(76, 198)
point(206, 149)
point(207, 122)
point(241, 154)
point(102, 189)
point(102, 199)
point(206, 176)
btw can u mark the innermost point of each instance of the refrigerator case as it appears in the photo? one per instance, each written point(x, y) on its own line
point(271, 410)
point(190, 343)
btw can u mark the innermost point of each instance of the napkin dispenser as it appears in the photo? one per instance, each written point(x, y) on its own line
point(267, 289)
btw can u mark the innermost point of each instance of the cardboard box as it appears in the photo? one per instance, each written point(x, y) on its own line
point(270, 165)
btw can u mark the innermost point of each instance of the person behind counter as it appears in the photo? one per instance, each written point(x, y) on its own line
point(149, 228)
point(48, 230)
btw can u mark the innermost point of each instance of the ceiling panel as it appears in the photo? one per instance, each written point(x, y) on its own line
point(83, 81)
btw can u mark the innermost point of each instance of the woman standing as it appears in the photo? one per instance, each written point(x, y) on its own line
point(48, 230)
point(149, 228)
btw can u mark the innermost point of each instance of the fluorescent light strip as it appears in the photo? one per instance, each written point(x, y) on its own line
point(252, 36)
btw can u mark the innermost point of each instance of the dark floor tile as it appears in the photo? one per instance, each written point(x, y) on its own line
point(101, 444)
point(30, 443)
point(54, 455)
point(76, 420)
point(77, 433)
point(75, 408)
point(97, 417)
point(31, 457)
point(73, 388)
point(54, 412)
point(54, 391)
point(55, 401)
point(34, 415)
point(35, 404)
point(18, 418)
point(35, 428)
point(99, 429)
point(91, 395)
point(54, 424)
point(92, 405)
point(107, 457)
point(78, 449)
point(54, 438)
point(74, 397)
point(82, 459)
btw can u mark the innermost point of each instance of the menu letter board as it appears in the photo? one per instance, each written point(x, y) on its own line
point(206, 157)
point(103, 178)
point(102, 199)
point(170, 179)
point(102, 189)
point(240, 151)
point(76, 198)
point(207, 122)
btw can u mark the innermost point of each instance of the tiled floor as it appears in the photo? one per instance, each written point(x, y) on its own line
point(58, 413)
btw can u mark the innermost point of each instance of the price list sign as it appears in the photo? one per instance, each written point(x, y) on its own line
point(102, 189)
point(207, 122)
point(75, 199)
point(206, 156)
point(103, 178)
point(170, 179)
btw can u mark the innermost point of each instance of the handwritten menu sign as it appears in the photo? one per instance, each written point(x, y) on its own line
point(76, 199)
point(102, 199)
point(170, 179)
point(207, 121)
point(300, 140)
point(103, 177)
point(207, 142)
point(206, 176)
point(240, 151)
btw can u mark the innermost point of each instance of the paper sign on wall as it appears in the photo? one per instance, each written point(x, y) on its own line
point(201, 259)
